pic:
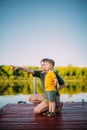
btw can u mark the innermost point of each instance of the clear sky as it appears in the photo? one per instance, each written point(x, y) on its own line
point(34, 29)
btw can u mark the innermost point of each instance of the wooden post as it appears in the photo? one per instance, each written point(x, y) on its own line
point(34, 85)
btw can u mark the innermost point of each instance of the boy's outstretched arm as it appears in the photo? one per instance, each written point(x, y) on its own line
point(22, 68)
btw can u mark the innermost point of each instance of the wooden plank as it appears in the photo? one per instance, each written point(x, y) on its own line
point(22, 117)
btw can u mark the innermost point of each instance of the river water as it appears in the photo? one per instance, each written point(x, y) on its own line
point(18, 92)
point(21, 97)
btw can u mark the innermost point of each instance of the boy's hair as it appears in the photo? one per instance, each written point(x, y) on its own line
point(48, 60)
point(44, 60)
point(51, 61)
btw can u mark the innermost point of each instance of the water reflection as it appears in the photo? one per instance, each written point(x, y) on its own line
point(15, 88)
point(15, 91)
point(74, 88)
point(28, 88)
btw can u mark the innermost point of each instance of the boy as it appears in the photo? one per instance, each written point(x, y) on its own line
point(50, 87)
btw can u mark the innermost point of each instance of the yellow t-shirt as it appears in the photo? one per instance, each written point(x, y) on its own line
point(49, 81)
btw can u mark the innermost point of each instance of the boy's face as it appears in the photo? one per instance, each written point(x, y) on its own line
point(48, 66)
point(43, 67)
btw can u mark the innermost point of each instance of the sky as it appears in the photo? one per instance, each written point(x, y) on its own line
point(31, 30)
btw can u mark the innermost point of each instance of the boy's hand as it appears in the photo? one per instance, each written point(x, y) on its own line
point(15, 67)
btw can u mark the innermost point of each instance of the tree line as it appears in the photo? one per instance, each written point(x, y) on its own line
point(69, 73)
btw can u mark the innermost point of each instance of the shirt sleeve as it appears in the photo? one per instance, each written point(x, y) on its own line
point(60, 80)
point(37, 73)
point(53, 74)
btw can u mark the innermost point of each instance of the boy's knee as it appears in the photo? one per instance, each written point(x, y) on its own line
point(43, 106)
point(36, 110)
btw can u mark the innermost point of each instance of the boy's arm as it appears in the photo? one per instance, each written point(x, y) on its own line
point(60, 87)
point(23, 68)
point(55, 82)
point(61, 82)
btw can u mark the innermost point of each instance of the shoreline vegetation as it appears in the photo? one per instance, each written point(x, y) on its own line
point(69, 74)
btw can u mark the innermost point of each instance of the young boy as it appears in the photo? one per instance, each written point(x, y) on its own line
point(50, 87)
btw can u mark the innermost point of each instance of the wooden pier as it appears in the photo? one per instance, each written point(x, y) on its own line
point(22, 117)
